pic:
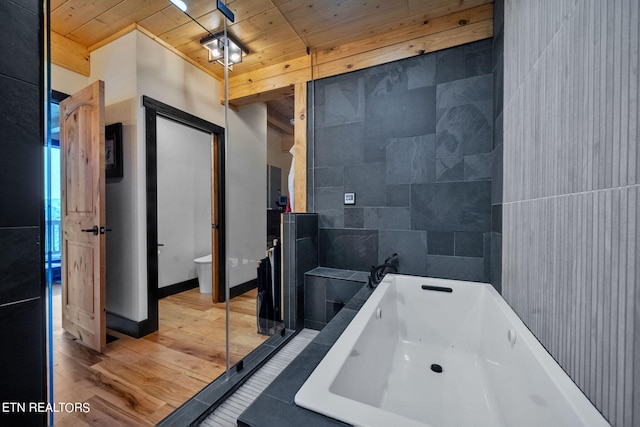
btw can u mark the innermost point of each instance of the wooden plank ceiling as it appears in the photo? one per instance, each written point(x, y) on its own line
point(275, 31)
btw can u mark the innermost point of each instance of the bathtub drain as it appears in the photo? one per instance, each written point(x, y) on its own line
point(436, 368)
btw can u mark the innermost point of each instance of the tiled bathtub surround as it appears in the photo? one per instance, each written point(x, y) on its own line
point(300, 254)
point(571, 265)
point(413, 139)
point(326, 291)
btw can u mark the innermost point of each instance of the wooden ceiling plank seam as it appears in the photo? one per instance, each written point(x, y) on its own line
point(118, 17)
point(442, 40)
point(443, 23)
point(73, 14)
point(381, 24)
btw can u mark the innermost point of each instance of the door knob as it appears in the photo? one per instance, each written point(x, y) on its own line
point(93, 230)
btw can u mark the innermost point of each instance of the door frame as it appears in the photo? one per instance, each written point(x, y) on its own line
point(153, 110)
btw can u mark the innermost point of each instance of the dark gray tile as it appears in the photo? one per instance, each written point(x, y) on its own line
point(268, 411)
point(20, 54)
point(459, 268)
point(487, 256)
point(360, 276)
point(496, 261)
point(498, 49)
point(497, 174)
point(291, 379)
point(332, 308)
point(375, 150)
point(314, 298)
point(465, 91)
point(463, 206)
point(411, 247)
point(310, 200)
point(355, 303)
point(478, 45)
point(421, 71)
point(411, 160)
point(316, 326)
point(23, 358)
point(334, 329)
point(330, 207)
point(496, 218)
point(450, 65)
point(498, 16)
point(401, 114)
point(335, 273)
point(387, 218)
point(306, 257)
point(477, 167)
point(398, 195)
point(478, 63)
point(329, 176)
point(400, 76)
point(20, 264)
point(306, 225)
point(498, 83)
point(450, 169)
point(498, 132)
point(354, 217)
point(339, 100)
point(32, 5)
point(350, 249)
point(440, 242)
point(465, 129)
point(21, 163)
point(342, 291)
point(469, 244)
point(339, 145)
point(368, 182)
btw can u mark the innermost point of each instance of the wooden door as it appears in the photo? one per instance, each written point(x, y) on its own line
point(83, 216)
point(215, 221)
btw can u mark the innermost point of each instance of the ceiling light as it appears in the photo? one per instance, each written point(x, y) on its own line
point(180, 4)
point(216, 43)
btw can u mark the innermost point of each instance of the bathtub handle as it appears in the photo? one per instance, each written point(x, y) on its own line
point(160, 244)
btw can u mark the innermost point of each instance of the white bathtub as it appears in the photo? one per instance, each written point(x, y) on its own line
point(494, 371)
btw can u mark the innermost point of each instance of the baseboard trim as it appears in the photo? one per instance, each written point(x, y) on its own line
point(127, 326)
point(176, 288)
point(242, 288)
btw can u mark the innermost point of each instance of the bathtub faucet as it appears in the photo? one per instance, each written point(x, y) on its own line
point(378, 271)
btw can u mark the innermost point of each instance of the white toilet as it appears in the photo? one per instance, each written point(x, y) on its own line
point(203, 267)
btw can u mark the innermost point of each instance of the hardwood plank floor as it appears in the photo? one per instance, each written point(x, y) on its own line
point(138, 382)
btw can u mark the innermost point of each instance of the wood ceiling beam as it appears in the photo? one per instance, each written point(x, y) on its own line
point(69, 54)
point(439, 33)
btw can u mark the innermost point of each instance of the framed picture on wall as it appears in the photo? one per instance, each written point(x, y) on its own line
point(113, 150)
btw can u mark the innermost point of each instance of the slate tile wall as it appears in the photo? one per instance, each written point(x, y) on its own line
point(414, 140)
point(300, 254)
point(22, 339)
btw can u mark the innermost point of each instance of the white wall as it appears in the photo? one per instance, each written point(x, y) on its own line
point(184, 200)
point(131, 67)
point(67, 81)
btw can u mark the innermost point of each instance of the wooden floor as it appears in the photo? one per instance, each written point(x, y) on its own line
point(138, 382)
